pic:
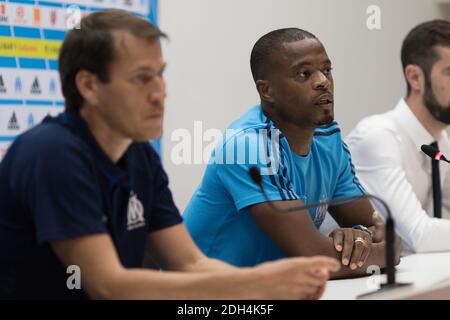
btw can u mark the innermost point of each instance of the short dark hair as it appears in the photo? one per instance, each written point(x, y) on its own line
point(270, 43)
point(91, 48)
point(419, 45)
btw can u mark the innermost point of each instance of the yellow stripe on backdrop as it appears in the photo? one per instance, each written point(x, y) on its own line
point(29, 48)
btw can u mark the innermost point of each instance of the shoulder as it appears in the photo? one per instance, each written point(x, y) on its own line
point(328, 136)
point(143, 157)
point(49, 142)
point(246, 133)
point(377, 130)
point(375, 141)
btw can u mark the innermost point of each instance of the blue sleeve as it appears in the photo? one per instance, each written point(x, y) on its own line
point(257, 148)
point(164, 211)
point(62, 192)
point(348, 184)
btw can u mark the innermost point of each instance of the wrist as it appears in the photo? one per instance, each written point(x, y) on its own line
point(360, 227)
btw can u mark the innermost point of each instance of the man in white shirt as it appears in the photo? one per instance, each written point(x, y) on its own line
point(386, 148)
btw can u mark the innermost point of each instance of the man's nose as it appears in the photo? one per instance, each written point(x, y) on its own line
point(321, 81)
point(158, 93)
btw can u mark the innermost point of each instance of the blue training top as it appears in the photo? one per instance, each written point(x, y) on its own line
point(217, 215)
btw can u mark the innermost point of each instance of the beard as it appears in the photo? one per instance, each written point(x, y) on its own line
point(326, 118)
point(438, 111)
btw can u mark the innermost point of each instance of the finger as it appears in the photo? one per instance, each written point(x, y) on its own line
point(376, 218)
point(338, 239)
point(348, 247)
point(364, 256)
point(358, 248)
point(379, 227)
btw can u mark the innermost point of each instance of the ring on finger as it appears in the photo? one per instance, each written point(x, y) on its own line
point(359, 239)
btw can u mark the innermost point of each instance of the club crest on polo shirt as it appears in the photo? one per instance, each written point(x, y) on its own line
point(135, 213)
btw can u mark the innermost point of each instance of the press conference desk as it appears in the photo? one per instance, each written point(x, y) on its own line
point(429, 273)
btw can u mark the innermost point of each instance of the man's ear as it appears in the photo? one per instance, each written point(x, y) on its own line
point(87, 85)
point(416, 78)
point(264, 90)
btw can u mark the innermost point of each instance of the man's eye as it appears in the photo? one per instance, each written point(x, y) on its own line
point(303, 74)
point(143, 78)
point(327, 71)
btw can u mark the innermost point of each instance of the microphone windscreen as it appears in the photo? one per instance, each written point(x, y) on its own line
point(429, 150)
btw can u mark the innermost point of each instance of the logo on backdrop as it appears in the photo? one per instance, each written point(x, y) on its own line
point(13, 124)
point(2, 85)
point(37, 16)
point(3, 15)
point(35, 88)
point(18, 85)
point(30, 121)
point(20, 15)
point(52, 86)
point(53, 17)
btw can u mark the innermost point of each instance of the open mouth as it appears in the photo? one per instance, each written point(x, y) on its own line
point(324, 102)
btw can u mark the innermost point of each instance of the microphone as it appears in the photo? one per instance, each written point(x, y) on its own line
point(433, 153)
point(390, 228)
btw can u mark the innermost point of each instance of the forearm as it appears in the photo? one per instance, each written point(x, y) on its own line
point(148, 284)
point(205, 264)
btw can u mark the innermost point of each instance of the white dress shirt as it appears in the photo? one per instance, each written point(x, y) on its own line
point(386, 152)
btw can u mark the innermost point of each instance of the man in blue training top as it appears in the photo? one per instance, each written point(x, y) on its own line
point(293, 140)
point(84, 195)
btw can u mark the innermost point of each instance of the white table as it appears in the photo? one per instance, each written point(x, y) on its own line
point(424, 271)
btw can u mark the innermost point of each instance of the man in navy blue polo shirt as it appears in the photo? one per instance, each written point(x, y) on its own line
point(82, 194)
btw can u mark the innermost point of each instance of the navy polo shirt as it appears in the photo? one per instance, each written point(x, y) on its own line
point(56, 184)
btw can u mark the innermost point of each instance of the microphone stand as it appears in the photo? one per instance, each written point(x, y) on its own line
point(390, 227)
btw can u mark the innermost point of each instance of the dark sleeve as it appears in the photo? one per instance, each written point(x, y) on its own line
point(164, 211)
point(64, 198)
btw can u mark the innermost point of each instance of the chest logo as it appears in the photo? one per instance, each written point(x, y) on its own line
point(135, 213)
point(321, 210)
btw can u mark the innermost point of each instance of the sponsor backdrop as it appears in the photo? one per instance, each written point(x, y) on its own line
point(31, 33)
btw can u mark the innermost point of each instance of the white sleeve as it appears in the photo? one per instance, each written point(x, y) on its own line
point(379, 167)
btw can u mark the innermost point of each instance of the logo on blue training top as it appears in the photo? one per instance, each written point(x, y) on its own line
point(321, 211)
